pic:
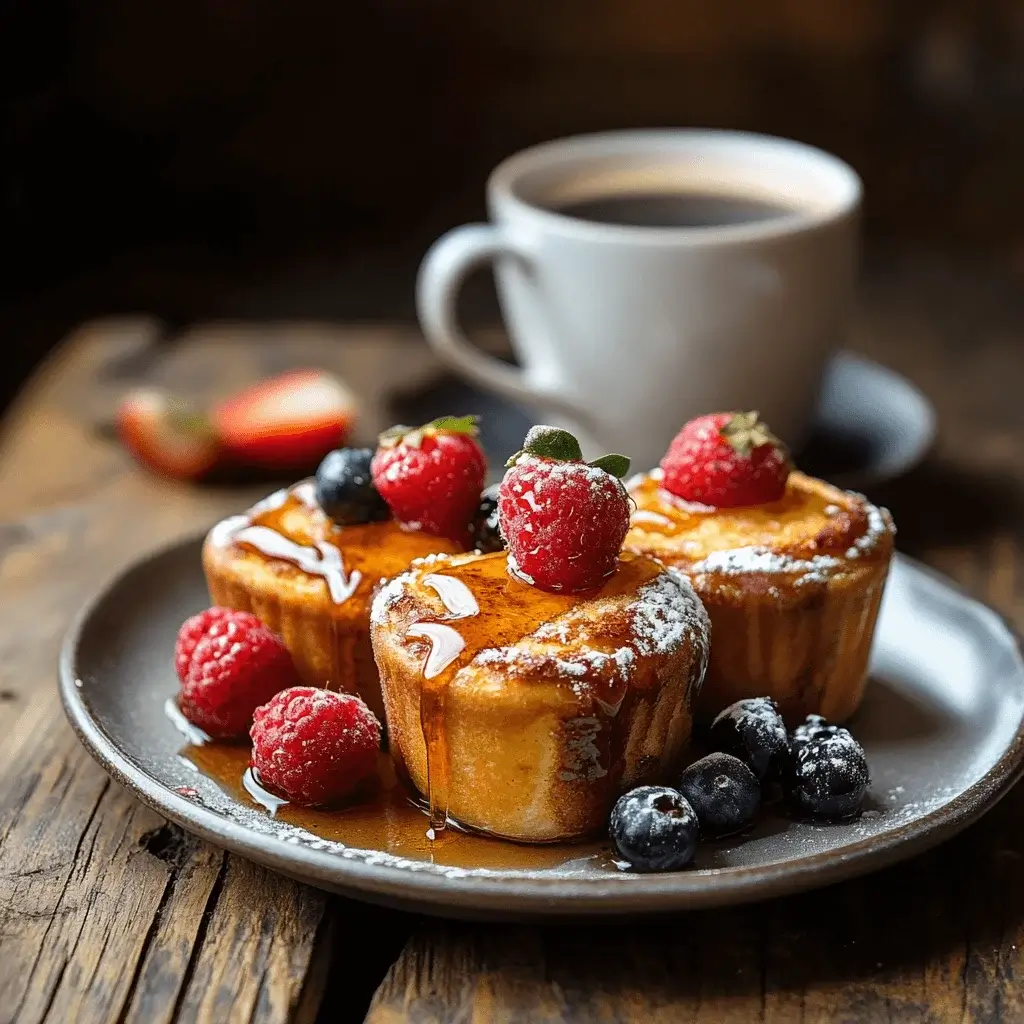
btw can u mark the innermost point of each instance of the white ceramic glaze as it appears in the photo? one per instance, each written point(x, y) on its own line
point(622, 333)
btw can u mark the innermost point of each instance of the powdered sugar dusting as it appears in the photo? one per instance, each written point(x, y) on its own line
point(669, 613)
point(529, 482)
point(879, 524)
point(755, 559)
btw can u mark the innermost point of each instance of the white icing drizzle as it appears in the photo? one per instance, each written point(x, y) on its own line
point(645, 515)
point(305, 491)
point(446, 644)
point(263, 797)
point(512, 567)
point(196, 736)
point(457, 597)
point(323, 559)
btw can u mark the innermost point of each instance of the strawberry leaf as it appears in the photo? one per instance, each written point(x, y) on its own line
point(412, 437)
point(551, 443)
point(614, 465)
point(455, 425)
point(394, 435)
point(745, 431)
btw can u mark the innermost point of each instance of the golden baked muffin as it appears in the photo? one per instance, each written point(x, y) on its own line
point(525, 690)
point(306, 559)
point(792, 584)
point(523, 713)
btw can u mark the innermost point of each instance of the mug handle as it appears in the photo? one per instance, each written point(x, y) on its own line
point(441, 275)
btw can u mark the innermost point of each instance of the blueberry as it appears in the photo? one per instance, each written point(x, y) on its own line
point(723, 791)
point(654, 828)
point(486, 535)
point(812, 728)
point(344, 487)
point(753, 731)
point(828, 776)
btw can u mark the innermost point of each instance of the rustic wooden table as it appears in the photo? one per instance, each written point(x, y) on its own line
point(109, 914)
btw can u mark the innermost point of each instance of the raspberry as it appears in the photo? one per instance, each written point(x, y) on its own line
point(237, 667)
point(564, 519)
point(194, 629)
point(314, 746)
point(432, 476)
point(726, 460)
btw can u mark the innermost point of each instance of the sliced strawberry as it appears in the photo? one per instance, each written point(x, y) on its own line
point(286, 423)
point(167, 435)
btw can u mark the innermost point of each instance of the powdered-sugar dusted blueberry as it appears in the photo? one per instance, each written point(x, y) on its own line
point(654, 828)
point(828, 776)
point(723, 791)
point(814, 727)
point(753, 731)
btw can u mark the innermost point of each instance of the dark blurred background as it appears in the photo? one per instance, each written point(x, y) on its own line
point(200, 159)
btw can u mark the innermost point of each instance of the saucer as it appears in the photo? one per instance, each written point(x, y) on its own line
point(942, 724)
point(871, 424)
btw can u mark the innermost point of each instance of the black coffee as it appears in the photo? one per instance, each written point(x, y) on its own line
point(675, 210)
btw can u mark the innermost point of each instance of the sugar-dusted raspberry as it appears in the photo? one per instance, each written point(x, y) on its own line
point(563, 519)
point(235, 668)
point(726, 460)
point(314, 746)
point(194, 629)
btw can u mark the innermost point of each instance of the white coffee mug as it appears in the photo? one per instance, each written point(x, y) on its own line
point(623, 332)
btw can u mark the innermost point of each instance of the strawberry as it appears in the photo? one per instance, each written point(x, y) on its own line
point(167, 435)
point(563, 519)
point(726, 460)
point(287, 423)
point(432, 475)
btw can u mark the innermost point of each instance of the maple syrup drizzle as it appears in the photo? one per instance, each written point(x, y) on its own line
point(660, 512)
point(446, 644)
point(492, 609)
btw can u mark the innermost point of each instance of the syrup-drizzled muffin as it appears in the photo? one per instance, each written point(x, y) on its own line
point(306, 559)
point(524, 691)
point(790, 568)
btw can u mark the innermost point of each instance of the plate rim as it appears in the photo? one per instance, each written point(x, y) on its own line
point(526, 896)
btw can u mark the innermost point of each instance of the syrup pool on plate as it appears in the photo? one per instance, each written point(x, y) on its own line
point(384, 818)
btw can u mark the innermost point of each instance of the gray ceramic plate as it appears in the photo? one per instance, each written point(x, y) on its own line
point(942, 726)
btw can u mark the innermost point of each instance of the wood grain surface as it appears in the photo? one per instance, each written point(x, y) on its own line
point(107, 913)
